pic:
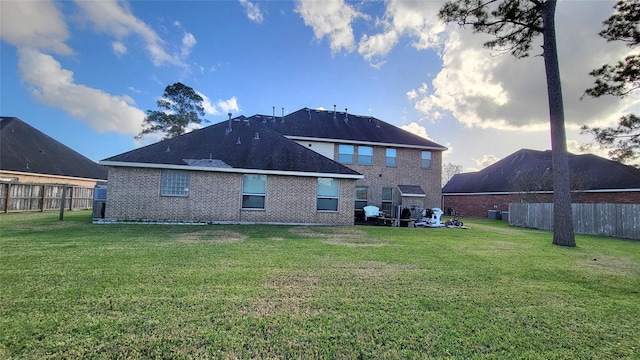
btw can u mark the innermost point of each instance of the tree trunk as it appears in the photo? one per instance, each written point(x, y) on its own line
point(563, 233)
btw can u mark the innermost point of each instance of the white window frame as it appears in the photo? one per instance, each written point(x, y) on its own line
point(249, 192)
point(394, 158)
point(362, 200)
point(366, 159)
point(323, 195)
point(426, 157)
point(346, 157)
point(175, 183)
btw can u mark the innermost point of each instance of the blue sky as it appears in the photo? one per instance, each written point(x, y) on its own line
point(86, 72)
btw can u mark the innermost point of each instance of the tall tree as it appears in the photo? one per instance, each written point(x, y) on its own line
point(448, 170)
point(179, 106)
point(514, 24)
point(619, 80)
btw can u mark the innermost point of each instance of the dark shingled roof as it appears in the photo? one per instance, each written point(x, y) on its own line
point(411, 190)
point(25, 149)
point(348, 127)
point(591, 172)
point(249, 145)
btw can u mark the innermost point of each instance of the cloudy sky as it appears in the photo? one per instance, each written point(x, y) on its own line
point(86, 72)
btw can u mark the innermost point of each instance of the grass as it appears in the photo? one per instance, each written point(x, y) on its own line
point(71, 289)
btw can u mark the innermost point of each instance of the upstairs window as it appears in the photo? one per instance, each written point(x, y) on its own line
point(361, 197)
point(175, 183)
point(426, 159)
point(328, 194)
point(391, 157)
point(254, 191)
point(365, 155)
point(345, 154)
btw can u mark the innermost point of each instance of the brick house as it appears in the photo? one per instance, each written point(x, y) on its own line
point(391, 159)
point(308, 167)
point(28, 155)
point(525, 176)
point(232, 172)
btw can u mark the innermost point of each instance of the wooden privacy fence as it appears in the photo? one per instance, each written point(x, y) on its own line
point(615, 220)
point(17, 197)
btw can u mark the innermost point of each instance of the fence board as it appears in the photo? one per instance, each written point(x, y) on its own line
point(614, 220)
point(18, 197)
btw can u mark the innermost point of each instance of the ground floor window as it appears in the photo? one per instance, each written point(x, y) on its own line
point(328, 194)
point(175, 183)
point(361, 197)
point(387, 198)
point(254, 191)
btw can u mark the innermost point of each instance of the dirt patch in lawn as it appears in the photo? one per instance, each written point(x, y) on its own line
point(499, 230)
point(600, 263)
point(214, 237)
point(290, 293)
point(370, 271)
point(346, 236)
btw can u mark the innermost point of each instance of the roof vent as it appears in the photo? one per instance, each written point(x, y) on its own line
point(168, 149)
point(346, 115)
point(238, 142)
point(27, 167)
point(309, 112)
point(334, 112)
point(256, 136)
point(229, 129)
point(282, 115)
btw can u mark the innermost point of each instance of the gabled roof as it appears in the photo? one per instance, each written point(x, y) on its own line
point(411, 190)
point(248, 146)
point(343, 127)
point(25, 149)
point(588, 172)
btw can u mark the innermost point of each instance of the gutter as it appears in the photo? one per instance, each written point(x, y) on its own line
point(229, 170)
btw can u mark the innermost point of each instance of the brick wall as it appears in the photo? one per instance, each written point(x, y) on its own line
point(408, 171)
point(47, 179)
point(134, 194)
point(479, 205)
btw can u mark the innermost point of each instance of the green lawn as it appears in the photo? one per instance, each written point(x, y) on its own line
point(72, 289)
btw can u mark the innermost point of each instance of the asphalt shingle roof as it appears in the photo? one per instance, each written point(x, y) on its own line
point(249, 145)
point(23, 148)
point(324, 124)
point(592, 173)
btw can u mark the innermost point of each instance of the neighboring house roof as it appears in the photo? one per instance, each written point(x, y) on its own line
point(249, 145)
point(343, 127)
point(25, 149)
point(589, 172)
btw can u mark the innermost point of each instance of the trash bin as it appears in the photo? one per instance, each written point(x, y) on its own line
point(505, 215)
point(494, 215)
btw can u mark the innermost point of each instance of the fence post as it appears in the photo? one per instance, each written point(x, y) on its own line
point(64, 193)
point(71, 198)
point(44, 195)
point(7, 198)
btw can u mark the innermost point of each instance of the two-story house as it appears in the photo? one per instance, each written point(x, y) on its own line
point(308, 167)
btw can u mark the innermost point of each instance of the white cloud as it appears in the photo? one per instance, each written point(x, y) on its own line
point(484, 89)
point(331, 18)
point(115, 18)
point(253, 11)
point(229, 106)
point(485, 161)
point(415, 19)
point(34, 24)
point(119, 48)
point(417, 129)
point(55, 86)
point(221, 106)
point(188, 42)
